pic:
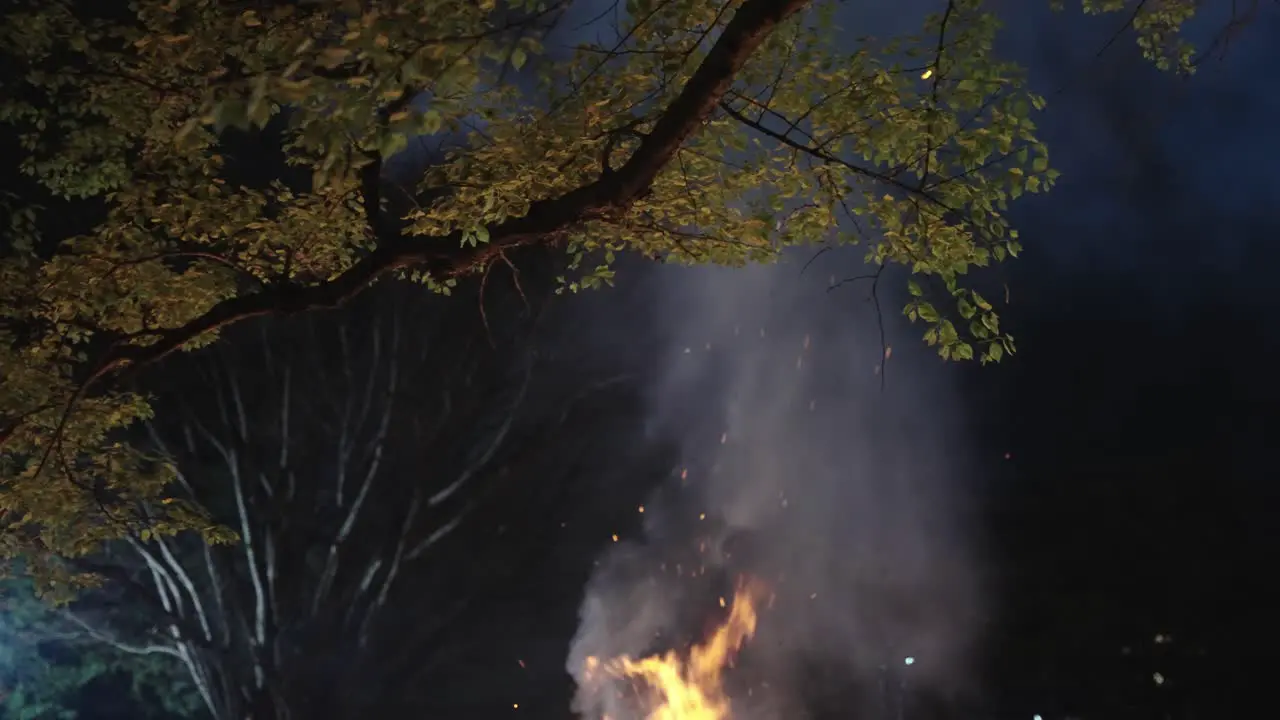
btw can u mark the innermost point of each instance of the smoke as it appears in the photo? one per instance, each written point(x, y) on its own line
point(806, 466)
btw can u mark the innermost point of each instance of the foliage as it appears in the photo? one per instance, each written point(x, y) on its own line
point(49, 668)
point(692, 131)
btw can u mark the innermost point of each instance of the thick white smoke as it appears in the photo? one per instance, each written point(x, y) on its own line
point(846, 496)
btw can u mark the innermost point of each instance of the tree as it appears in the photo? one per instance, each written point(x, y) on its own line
point(382, 477)
point(386, 478)
point(702, 131)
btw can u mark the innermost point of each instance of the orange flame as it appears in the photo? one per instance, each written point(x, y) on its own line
point(677, 687)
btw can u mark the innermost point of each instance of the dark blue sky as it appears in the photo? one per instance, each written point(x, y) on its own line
point(1165, 181)
point(1140, 408)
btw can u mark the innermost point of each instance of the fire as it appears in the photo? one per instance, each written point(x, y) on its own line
point(674, 686)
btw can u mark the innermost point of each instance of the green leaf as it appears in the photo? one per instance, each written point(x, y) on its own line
point(927, 312)
point(995, 351)
point(432, 121)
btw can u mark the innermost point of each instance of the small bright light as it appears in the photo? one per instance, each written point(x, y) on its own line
point(1036, 717)
point(909, 661)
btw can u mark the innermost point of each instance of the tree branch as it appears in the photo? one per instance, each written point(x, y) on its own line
point(545, 224)
point(107, 638)
point(259, 634)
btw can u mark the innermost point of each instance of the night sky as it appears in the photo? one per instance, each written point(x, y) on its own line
point(1121, 464)
point(1116, 473)
point(1127, 487)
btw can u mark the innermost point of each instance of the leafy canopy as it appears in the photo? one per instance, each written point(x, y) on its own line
point(689, 130)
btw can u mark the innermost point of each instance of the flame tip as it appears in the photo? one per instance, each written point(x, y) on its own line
point(688, 684)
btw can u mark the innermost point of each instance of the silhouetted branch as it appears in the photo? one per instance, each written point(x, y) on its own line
point(545, 223)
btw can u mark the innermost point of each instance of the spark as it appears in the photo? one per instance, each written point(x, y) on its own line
point(927, 74)
point(615, 538)
point(641, 509)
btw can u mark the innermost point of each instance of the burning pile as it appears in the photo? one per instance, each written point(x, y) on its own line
point(675, 686)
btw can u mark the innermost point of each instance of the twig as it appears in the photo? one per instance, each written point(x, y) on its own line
point(874, 297)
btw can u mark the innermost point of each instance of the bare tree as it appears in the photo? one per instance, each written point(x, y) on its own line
point(345, 454)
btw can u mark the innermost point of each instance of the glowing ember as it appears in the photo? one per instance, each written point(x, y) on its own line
point(673, 686)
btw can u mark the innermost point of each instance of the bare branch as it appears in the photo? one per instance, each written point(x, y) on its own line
point(216, 588)
point(185, 580)
point(110, 639)
point(486, 455)
point(874, 297)
point(396, 559)
point(286, 394)
point(438, 534)
point(250, 555)
point(166, 589)
point(373, 462)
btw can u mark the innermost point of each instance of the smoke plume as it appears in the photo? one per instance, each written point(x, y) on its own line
point(815, 461)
